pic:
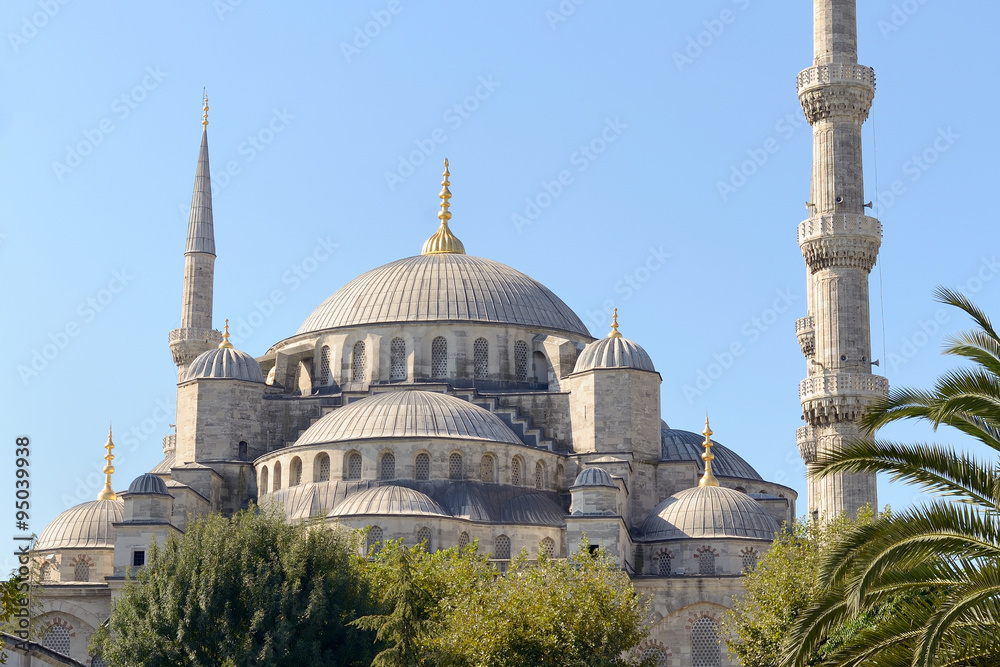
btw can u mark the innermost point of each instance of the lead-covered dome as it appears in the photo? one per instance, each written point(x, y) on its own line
point(225, 363)
point(409, 414)
point(387, 501)
point(444, 287)
point(678, 445)
point(708, 512)
point(614, 352)
point(88, 525)
point(595, 477)
point(148, 483)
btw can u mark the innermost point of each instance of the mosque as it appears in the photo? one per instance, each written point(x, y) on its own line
point(445, 397)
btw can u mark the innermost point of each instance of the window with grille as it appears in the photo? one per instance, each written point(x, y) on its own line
point(138, 558)
point(358, 362)
point(324, 366)
point(439, 357)
point(539, 475)
point(97, 661)
point(277, 476)
point(295, 472)
point(424, 537)
point(481, 350)
point(705, 649)
point(353, 467)
point(658, 657)
point(57, 638)
point(487, 468)
point(455, 466)
point(387, 469)
point(521, 361)
point(665, 565)
point(397, 360)
point(422, 466)
point(549, 547)
point(502, 548)
point(463, 540)
point(374, 540)
point(323, 468)
point(82, 571)
point(706, 563)
point(515, 471)
point(262, 486)
point(46, 572)
point(749, 561)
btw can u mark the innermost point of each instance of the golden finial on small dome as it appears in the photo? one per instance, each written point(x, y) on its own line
point(443, 241)
point(225, 344)
point(708, 479)
point(107, 493)
point(204, 118)
point(614, 326)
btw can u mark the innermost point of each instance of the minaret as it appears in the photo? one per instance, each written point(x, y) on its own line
point(195, 334)
point(840, 246)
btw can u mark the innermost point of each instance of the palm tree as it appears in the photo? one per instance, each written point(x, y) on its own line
point(922, 587)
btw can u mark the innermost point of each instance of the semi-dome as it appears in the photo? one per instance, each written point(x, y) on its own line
point(409, 414)
point(678, 445)
point(444, 287)
point(595, 477)
point(388, 500)
point(532, 509)
point(708, 512)
point(88, 525)
point(613, 353)
point(225, 363)
point(148, 483)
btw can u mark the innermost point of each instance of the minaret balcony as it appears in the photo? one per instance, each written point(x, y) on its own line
point(836, 73)
point(840, 239)
point(836, 397)
point(805, 437)
point(806, 333)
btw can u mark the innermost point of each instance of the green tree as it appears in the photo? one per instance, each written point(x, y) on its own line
point(938, 564)
point(250, 590)
point(13, 594)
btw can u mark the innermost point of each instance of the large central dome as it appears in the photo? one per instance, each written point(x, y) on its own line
point(444, 288)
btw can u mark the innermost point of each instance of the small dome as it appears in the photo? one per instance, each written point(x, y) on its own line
point(388, 501)
point(86, 526)
point(409, 414)
point(613, 352)
point(595, 477)
point(225, 363)
point(678, 445)
point(708, 512)
point(532, 509)
point(148, 483)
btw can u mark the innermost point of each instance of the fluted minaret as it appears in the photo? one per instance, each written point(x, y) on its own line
point(195, 334)
point(840, 245)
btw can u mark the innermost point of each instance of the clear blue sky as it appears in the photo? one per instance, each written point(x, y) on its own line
point(99, 131)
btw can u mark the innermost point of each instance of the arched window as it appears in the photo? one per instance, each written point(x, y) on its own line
point(82, 571)
point(295, 472)
point(374, 542)
point(324, 366)
point(358, 362)
point(741, 489)
point(422, 466)
point(706, 562)
point(397, 360)
point(749, 560)
point(560, 476)
point(387, 466)
point(439, 357)
point(502, 549)
point(549, 547)
point(455, 466)
point(424, 537)
point(541, 369)
point(262, 484)
point(353, 468)
point(481, 352)
point(321, 468)
point(46, 571)
point(521, 361)
point(516, 471)
point(487, 469)
point(540, 475)
point(57, 638)
point(277, 475)
point(242, 450)
point(658, 657)
point(463, 540)
point(705, 649)
point(665, 564)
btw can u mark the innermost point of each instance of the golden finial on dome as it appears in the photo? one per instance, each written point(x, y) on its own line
point(708, 479)
point(614, 326)
point(225, 344)
point(204, 118)
point(443, 241)
point(107, 493)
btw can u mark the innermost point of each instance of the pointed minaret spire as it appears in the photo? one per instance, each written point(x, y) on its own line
point(708, 479)
point(443, 241)
point(107, 493)
point(840, 245)
point(225, 344)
